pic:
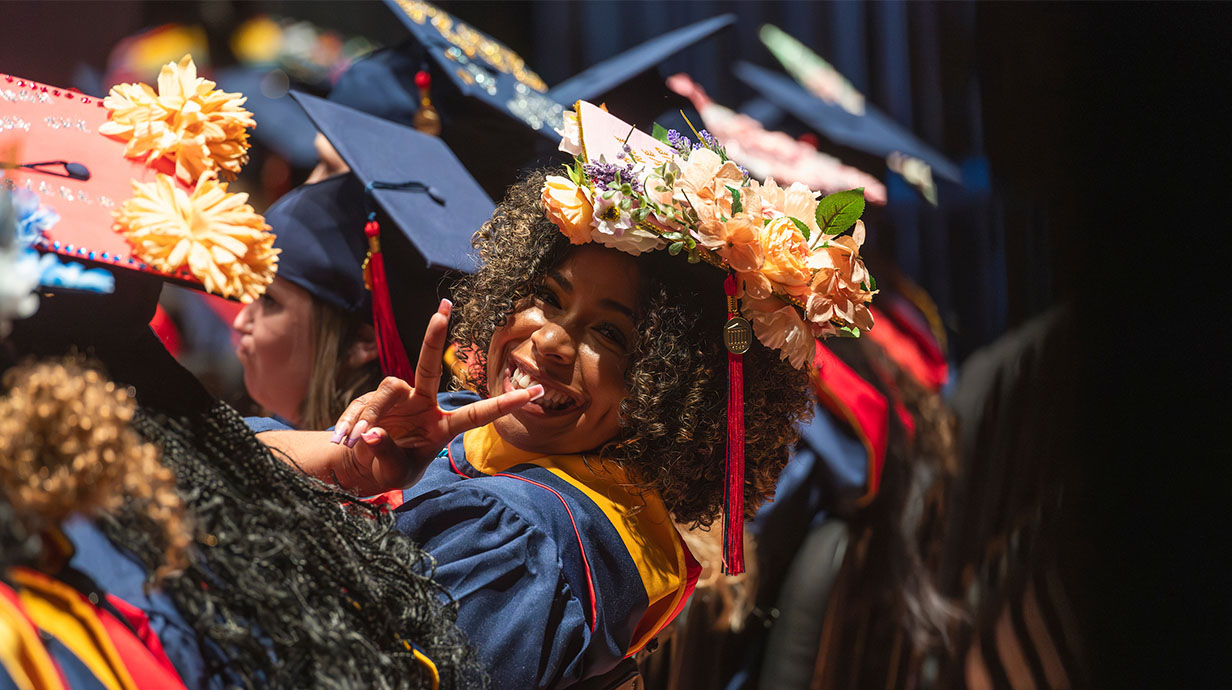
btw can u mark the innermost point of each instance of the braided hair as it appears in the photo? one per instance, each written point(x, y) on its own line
point(290, 583)
point(336, 594)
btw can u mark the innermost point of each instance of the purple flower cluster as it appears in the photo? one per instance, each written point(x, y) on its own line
point(679, 141)
point(683, 144)
point(604, 174)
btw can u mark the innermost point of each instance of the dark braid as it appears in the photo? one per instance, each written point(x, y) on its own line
point(332, 589)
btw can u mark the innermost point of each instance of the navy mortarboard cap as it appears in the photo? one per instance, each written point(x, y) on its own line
point(480, 67)
point(319, 229)
point(382, 84)
point(413, 177)
point(426, 192)
point(874, 132)
point(630, 82)
point(282, 125)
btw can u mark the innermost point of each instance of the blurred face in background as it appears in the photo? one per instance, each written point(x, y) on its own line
point(276, 348)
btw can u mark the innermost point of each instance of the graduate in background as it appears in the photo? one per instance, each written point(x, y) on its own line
point(328, 328)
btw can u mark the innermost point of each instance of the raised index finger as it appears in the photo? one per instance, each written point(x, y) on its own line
point(432, 353)
point(482, 412)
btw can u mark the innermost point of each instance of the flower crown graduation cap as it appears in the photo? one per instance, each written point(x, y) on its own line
point(794, 272)
point(132, 181)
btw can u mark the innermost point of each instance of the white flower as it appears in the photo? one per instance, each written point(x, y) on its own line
point(571, 135)
point(634, 241)
point(610, 218)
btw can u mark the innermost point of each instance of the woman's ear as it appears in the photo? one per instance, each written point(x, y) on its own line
point(364, 349)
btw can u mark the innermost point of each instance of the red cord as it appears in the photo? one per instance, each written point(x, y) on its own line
point(394, 361)
point(733, 493)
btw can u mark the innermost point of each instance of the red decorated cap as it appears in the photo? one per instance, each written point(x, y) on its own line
point(51, 145)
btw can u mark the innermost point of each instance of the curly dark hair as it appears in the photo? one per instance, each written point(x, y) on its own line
point(673, 434)
point(334, 590)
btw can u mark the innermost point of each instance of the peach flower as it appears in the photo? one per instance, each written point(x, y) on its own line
point(215, 234)
point(569, 207)
point(787, 257)
point(734, 239)
point(840, 288)
point(778, 326)
point(188, 121)
point(705, 179)
point(797, 201)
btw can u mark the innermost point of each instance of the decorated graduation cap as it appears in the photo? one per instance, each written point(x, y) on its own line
point(869, 130)
point(418, 185)
point(132, 182)
point(793, 272)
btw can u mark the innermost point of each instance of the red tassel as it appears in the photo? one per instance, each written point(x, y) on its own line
point(733, 493)
point(394, 361)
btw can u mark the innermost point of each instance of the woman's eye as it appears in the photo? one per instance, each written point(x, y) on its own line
point(268, 302)
point(614, 334)
point(544, 294)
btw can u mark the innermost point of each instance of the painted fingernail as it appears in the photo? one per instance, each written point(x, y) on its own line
point(360, 427)
point(340, 432)
point(371, 436)
point(536, 391)
point(446, 306)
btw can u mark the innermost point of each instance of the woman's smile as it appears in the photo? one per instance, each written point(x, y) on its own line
point(558, 398)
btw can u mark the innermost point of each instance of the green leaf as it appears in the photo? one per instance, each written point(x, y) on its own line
point(839, 211)
point(674, 248)
point(737, 207)
point(674, 235)
point(693, 256)
point(801, 226)
point(659, 132)
point(872, 282)
point(851, 331)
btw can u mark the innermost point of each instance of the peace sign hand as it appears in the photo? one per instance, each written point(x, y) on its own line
point(397, 429)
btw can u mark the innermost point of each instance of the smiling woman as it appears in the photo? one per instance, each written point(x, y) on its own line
point(549, 503)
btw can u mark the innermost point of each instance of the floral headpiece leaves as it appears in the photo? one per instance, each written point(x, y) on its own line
point(188, 121)
point(799, 275)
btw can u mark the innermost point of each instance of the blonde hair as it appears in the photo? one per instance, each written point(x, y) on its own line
point(66, 447)
point(333, 384)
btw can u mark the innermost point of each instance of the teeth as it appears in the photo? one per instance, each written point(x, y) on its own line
point(552, 399)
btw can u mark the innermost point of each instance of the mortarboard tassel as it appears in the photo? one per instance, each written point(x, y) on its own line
point(427, 119)
point(394, 361)
point(737, 335)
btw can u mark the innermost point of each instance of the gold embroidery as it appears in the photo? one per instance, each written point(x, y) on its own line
point(471, 42)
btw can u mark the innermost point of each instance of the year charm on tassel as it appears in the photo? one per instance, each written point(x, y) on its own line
point(738, 335)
